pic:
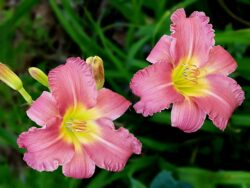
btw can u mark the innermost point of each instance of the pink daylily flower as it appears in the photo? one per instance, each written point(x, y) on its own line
point(191, 73)
point(77, 131)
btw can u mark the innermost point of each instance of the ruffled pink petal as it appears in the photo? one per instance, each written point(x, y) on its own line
point(194, 36)
point(221, 100)
point(113, 148)
point(220, 62)
point(163, 50)
point(80, 166)
point(110, 104)
point(73, 83)
point(187, 116)
point(153, 84)
point(45, 151)
point(43, 110)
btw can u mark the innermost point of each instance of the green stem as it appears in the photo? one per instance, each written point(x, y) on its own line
point(239, 19)
point(25, 95)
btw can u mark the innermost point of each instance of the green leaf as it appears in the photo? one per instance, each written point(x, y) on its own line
point(237, 120)
point(74, 28)
point(23, 8)
point(165, 180)
point(244, 1)
point(117, 63)
point(156, 145)
point(243, 67)
point(239, 36)
point(136, 183)
point(8, 137)
point(240, 120)
point(105, 178)
point(135, 48)
point(208, 179)
point(8, 28)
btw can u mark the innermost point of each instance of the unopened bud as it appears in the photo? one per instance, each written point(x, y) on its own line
point(10, 78)
point(39, 76)
point(96, 64)
point(13, 81)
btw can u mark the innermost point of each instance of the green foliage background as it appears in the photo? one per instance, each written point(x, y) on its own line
point(122, 32)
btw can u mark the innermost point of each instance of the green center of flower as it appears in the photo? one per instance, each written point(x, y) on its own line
point(74, 125)
point(188, 78)
point(79, 126)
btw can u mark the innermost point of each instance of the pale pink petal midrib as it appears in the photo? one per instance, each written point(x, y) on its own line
point(217, 97)
point(161, 86)
point(108, 143)
point(190, 52)
point(46, 148)
point(74, 95)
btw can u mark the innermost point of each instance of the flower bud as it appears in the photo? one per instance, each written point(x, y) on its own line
point(96, 64)
point(39, 76)
point(10, 78)
point(13, 81)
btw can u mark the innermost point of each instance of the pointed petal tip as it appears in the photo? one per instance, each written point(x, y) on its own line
point(162, 51)
point(110, 104)
point(220, 62)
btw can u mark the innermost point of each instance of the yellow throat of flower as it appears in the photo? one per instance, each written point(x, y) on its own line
point(78, 126)
point(188, 79)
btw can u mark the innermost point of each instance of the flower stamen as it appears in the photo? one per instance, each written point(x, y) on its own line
point(191, 72)
point(188, 78)
point(76, 125)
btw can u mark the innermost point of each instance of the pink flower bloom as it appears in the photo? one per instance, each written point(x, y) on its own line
point(77, 130)
point(190, 72)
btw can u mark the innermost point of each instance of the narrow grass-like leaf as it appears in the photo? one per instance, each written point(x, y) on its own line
point(239, 36)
